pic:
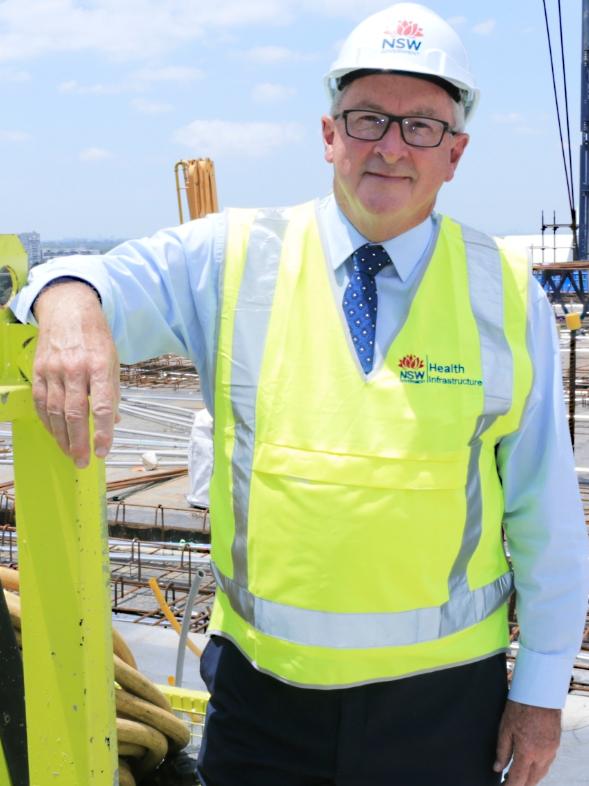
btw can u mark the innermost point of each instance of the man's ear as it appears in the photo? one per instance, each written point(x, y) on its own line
point(328, 133)
point(458, 147)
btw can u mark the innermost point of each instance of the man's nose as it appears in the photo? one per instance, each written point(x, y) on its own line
point(392, 145)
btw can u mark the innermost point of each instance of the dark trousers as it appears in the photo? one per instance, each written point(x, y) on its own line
point(437, 729)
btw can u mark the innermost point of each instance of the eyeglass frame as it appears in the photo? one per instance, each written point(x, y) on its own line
point(446, 127)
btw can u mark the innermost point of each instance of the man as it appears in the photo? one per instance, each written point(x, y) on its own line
point(384, 404)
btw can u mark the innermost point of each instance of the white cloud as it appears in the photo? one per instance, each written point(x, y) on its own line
point(120, 30)
point(136, 82)
point(94, 154)
point(485, 28)
point(349, 9)
point(518, 124)
point(14, 75)
point(71, 86)
point(529, 131)
point(510, 118)
point(150, 107)
point(224, 137)
point(14, 136)
point(269, 92)
point(168, 74)
point(133, 29)
point(276, 54)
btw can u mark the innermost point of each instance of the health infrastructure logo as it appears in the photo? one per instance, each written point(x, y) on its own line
point(415, 371)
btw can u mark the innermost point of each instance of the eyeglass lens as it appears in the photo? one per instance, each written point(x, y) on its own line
point(372, 126)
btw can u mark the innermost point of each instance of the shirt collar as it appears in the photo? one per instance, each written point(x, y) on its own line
point(342, 239)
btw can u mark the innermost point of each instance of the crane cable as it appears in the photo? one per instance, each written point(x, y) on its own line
point(566, 104)
point(568, 166)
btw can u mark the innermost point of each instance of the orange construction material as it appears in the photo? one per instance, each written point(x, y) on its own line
point(199, 185)
point(167, 611)
point(9, 578)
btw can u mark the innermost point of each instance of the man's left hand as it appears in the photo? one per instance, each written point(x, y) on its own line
point(532, 736)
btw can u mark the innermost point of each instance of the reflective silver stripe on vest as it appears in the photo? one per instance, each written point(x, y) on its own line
point(252, 315)
point(485, 282)
point(360, 631)
point(343, 630)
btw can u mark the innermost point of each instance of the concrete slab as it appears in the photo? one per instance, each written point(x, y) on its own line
point(155, 649)
point(571, 767)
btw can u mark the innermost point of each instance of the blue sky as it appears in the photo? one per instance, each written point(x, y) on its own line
point(101, 97)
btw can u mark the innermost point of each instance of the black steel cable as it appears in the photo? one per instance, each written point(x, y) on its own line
point(566, 171)
point(566, 105)
point(13, 726)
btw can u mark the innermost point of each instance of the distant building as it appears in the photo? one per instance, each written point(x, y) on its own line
point(32, 244)
point(540, 249)
point(51, 253)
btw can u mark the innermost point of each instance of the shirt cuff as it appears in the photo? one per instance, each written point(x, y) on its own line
point(541, 680)
point(64, 280)
point(42, 276)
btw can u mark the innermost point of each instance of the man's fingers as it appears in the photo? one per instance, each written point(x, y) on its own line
point(105, 396)
point(526, 772)
point(533, 733)
point(61, 400)
point(518, 772)
point(55, 404)
point(537, 772)
point(76, 419)
point(104, 419)
point(39, 390)
point(504, 749)
point(75, 358)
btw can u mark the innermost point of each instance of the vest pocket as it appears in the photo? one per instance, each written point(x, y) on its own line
point(447, 471)
point(353, 533)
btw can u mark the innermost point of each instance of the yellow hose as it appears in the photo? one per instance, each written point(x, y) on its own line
point(167, 611)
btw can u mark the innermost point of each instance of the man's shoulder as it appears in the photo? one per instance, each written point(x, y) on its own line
point(461, 235)
point(474, 236)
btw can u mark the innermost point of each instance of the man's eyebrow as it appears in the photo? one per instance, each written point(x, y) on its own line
point(420, 111)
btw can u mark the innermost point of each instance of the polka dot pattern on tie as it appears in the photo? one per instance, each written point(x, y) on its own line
point(361, 300)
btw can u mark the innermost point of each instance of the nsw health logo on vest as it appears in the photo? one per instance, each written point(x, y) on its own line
point(416, 371)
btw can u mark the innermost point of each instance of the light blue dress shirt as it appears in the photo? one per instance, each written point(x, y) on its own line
point(161, 295)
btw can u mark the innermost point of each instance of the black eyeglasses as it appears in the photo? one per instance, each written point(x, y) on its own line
point(415, 131)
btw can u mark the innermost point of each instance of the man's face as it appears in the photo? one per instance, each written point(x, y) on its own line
point(387, 187)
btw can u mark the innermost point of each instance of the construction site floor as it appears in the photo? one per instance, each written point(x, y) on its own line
point(155, 649)
point(571, 767)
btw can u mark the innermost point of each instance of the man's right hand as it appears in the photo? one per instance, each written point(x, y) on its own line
point(76, 358)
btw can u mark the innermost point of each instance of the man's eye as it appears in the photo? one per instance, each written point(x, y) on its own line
point(419, 125)
point(369, 119)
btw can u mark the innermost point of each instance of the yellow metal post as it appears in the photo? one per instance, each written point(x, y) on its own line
point(4, 777)
point(65, 585)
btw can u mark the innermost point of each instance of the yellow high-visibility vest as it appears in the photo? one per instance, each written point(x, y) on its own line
point(357, 519)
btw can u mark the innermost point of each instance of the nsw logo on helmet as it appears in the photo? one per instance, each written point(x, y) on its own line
point(404, 36)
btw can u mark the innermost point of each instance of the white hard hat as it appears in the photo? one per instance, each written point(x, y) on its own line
point(412, 39)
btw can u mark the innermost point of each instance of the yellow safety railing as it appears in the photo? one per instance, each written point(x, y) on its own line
point(65, 580)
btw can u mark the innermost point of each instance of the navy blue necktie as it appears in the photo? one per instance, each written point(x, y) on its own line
point(360, 300)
